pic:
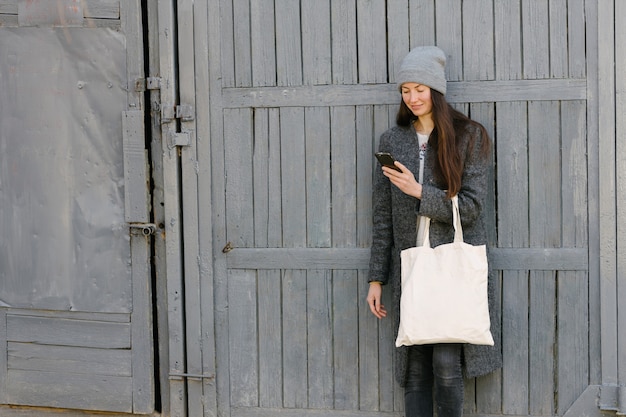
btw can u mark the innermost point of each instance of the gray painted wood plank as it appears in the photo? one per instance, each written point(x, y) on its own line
point(319, 165)
point(518, 258)
point(449, 36)
point(75, 315)
point(141, 331)
point(376, 94)
point(541, 340)
point(275, 232)
point(267, 179)
point(478, 40)
point(371, 32)
point(293, 176)
point(488, 395)
point(204, 122)
point(576, 38)
point(77, 360)
point(364, 150)
point(421, 23)
point(515, 343)
point(288, 43)
point(508, 43)
point(574, 173)
point(573, 287)
point(262, 160)
point(262, 43)
point(484, 113)
point(344, 42)
point(573, 334)
point(345, 299)
point(8, 7)
point(544, 167)
point(242, 42)
point(343, 145)
point(189, 177)
point(226, 38)
point(3, 356)
point(9, 20)
point(85, 333)
point(346, 338)
point(536, 40)
point(316, 49)
point(101, 9)
point(66, 390)
point(512, 173)
point(319, 339)
point(260, 176)
point(137, 209)
point(545, 231)
point(558, 32)
point(285, 412)
point(243, 337)
point(391, 395)
point(294, 283)
point(620, 110)
point(294, 338)
point(368, 353)
point(239, 181)
point(173, 268)
point(270, 339)
point(593, 126)
point(398, 28)
point(158, 211)
point(269, 389)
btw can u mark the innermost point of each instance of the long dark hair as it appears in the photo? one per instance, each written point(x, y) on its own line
point(450, 124)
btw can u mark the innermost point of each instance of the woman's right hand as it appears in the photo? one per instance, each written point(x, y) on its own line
point(373, 299)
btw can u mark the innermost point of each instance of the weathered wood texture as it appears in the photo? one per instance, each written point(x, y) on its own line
point(56, 361)
point(301, 95)
point(76, 296)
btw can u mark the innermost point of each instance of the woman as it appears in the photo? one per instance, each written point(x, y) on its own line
point(449, 154)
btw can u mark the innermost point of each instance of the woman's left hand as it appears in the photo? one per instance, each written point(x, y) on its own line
point(404, 180)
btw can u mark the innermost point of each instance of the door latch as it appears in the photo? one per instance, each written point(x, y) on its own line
point(145, 229)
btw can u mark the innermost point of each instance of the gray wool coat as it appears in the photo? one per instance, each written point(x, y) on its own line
point(394, 228)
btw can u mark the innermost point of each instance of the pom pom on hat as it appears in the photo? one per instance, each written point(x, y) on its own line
point(424, 65)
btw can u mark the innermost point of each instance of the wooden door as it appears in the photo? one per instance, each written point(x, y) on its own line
point(75, 309)
point(291, 98)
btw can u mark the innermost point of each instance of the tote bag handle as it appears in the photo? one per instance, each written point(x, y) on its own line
point(456, 222)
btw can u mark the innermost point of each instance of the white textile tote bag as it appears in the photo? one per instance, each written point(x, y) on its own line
point(444, 292)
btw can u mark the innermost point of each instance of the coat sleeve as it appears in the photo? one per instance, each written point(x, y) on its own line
point(382, 230)
point(434, 202)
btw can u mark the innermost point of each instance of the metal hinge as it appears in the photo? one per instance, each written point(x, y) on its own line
point(150, 83)
point(178, 139)
point(184, 112)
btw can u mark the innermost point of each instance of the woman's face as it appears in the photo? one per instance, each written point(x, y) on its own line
point(417, 98)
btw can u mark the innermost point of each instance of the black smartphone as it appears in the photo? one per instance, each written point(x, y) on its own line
point(386, 160)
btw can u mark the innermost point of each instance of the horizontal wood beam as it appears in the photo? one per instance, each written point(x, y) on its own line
point(372, 94)
point(526, 259)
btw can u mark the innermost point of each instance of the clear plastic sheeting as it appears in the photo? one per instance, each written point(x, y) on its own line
point(64, 244)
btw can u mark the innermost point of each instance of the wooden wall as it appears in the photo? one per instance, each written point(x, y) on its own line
point(298, 94)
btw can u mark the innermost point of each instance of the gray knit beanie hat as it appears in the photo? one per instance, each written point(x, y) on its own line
point(424, 65)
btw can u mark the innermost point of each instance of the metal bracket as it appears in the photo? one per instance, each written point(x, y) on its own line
point(182, 375)
point(168, 113)
point(185, 112)
point(179, 139)
point(145, 229)
point(153, 83)
point(150, 83)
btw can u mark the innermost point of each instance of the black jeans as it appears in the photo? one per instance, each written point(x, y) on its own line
point(435, 367)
